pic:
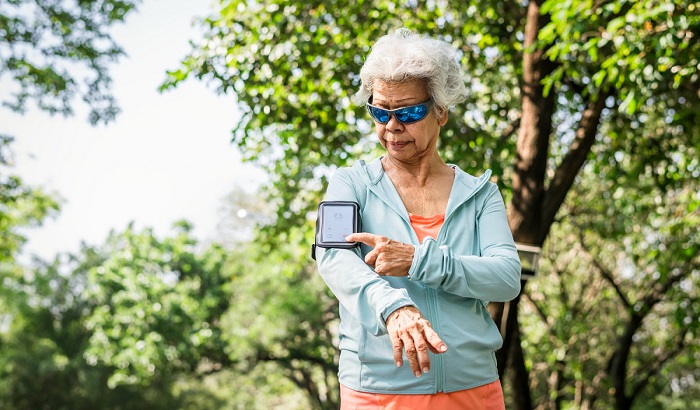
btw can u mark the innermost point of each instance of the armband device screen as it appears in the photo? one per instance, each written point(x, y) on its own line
point(336, 220)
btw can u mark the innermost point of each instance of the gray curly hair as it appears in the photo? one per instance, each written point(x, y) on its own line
point(404, 55)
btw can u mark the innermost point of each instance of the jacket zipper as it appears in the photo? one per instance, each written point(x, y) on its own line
point(432, 298)
point(438, 366)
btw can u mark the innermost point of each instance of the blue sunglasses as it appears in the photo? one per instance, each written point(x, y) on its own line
point(405, 115)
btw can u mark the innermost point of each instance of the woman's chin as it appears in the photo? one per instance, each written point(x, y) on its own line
point(400, 152)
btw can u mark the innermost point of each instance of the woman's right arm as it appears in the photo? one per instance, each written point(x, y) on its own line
point(366, 295)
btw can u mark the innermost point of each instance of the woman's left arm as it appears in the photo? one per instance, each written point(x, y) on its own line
point(493, 276)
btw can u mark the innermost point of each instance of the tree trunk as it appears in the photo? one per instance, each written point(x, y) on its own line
point(519, 375)
point(525, 210)
point(618, 363)
point(534, 206)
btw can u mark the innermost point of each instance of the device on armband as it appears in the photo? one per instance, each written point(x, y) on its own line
point(336, 220)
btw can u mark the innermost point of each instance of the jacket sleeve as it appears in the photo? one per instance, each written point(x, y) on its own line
point(363, 293)
point(492, 276)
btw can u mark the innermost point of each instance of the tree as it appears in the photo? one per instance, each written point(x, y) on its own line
point(43, 45)
point(614, 315)
point(46, 45)
point(129, 324)
point(21, 207)
point(283, 318)
point(42, 363)
point(148, 322)
point(157, 305)
point(562, 76)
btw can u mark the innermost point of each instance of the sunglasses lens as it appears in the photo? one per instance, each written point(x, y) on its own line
point(381, 116)
point(412, 114)
point(406, 115)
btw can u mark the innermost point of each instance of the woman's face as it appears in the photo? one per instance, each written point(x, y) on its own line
point(406, 142)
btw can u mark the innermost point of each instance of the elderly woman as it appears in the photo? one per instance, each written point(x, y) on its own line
point(436, 247)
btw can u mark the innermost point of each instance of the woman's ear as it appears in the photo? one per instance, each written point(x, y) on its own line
point(442, 118)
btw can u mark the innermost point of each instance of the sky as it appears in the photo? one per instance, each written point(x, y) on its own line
point(166, 157)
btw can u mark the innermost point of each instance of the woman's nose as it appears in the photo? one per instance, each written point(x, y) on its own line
point(394, 124)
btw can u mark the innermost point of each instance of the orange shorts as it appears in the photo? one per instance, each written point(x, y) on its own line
point(486, 397)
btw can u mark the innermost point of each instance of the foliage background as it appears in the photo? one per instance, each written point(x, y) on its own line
point(164, 321)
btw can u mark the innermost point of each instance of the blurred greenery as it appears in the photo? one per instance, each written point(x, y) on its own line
point(142, 321)
point(618, 280)
point(48, 47)
point(605, 92)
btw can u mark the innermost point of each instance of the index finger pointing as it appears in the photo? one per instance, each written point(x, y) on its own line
point(364, 237)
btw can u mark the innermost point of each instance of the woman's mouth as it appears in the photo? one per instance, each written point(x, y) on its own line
point(398, 144)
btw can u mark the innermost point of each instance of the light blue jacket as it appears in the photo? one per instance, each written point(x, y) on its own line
point(473, 260)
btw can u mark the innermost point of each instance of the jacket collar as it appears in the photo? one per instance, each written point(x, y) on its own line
point(464, 187)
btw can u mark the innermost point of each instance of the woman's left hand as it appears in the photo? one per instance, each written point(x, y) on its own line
point(389, 257)
point(410, 331)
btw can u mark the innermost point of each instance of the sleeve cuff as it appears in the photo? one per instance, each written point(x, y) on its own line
point(413, 270)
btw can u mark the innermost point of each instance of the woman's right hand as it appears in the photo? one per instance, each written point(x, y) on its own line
point(389, 257)
point(409, 330)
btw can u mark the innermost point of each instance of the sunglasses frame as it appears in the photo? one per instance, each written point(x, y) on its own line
point(428, 105)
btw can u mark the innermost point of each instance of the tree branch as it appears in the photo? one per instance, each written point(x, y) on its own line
point(563, 290)
point(593, 291)
point(618, 362)
point(299, 376)
point(510, 129)
point(542, 316)
point(606, 274)
point(574, 159)
point(657, 365)
point(659, 289)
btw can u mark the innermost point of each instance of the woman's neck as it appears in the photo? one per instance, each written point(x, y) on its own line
point(420, 171)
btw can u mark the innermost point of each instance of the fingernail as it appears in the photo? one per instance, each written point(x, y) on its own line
point(426, 370)
point(443, 348)
point(398, 364)
point(417, 374)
